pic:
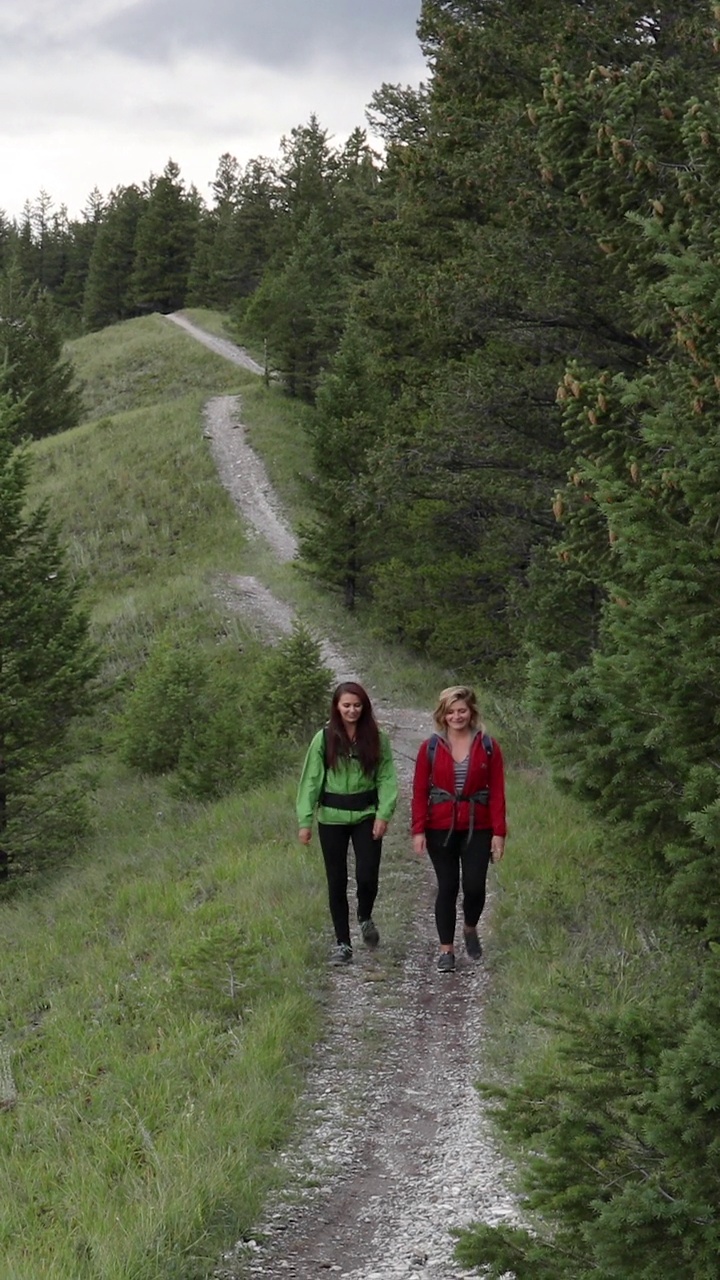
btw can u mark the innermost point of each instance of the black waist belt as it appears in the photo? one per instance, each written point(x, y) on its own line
point(361, 800)
point(438, 796)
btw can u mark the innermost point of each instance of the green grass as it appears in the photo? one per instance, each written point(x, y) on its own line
point(160, 1012)
point(161, 993)
point(147, 362)
point(214, 322)
point(571, 918)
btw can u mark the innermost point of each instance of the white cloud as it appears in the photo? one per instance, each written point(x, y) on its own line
point(70, 122)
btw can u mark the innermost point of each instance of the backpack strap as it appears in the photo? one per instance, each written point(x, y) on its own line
point(438, 795)
point(435, 738)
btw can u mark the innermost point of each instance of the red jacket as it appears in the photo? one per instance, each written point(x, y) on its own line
point(484, 771)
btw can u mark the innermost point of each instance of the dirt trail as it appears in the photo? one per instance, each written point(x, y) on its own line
point(393, 1147)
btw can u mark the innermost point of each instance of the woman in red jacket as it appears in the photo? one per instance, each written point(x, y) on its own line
point(458, 815)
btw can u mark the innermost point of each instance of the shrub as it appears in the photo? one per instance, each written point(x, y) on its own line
point(294, 687)
point(163, 703)
point(225, 747)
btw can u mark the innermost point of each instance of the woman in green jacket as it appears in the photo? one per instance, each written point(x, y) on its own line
point(349, 779)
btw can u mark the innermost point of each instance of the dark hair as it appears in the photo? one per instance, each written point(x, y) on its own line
point(366, 746)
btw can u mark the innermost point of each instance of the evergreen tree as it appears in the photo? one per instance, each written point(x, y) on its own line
point(623, 1175)
point(7, 236)
point(470, 313)
point(254, 226)
point(349, 412)
point(306, 181)
point(165, 243)
point(108, 296)
point(356, 202)
point(299, 310)
point(633, 728)
point(39, 379)
point(26, 258)
point(38, 219)
point(621, 1119)
point(47, 665)
point(490, 276)
point(233, 243)
point(69, 292)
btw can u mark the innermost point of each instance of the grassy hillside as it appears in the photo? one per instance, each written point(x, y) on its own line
point(160, 995)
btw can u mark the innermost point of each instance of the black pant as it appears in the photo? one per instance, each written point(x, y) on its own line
point(335, 841)
point(472, 856)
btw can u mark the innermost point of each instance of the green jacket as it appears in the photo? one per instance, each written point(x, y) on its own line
point(347, 778)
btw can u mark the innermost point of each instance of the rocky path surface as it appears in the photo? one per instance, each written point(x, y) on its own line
point(393, 1147)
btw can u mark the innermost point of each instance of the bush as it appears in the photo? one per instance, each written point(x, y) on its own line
point(160, 708)
point(223, 721)
point(294, 687)
point(225, 746)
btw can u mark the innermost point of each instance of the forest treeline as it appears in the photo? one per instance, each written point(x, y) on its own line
point(508, 325)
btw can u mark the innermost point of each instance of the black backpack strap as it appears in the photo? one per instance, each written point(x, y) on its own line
point(434, 739)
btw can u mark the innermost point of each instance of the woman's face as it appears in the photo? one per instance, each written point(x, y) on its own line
point(458, 715)
point(350, 708)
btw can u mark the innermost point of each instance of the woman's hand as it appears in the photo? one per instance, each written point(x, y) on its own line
point(497, 848)
point(380, 826)
point(305, 835)
point(419, 844)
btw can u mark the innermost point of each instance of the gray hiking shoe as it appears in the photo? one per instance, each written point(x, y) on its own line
point(446, 962)
point(369, 932)
point(341, 954)
point(473, 945)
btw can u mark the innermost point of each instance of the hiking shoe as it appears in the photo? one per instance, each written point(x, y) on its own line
point(446, 962)
point(473, 945)
point(369, 932)
point(342, 954)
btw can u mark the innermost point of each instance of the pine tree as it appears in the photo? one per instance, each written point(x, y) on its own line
point(299, 309)
point(634, 728)
point(165, 243)
point(625, 1171)
point(233, 244)
point(47, 667)
point(349, 411)
point(80, 235)
point(622, 1178)
point(306, 181)
point(108, 297)
point(39, 379)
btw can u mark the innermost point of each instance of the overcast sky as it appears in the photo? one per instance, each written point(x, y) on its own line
point(102, 93)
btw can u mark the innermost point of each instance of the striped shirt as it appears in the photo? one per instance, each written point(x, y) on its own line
point(461, 773)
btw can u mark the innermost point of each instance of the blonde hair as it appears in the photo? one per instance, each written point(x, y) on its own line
point(457, 693)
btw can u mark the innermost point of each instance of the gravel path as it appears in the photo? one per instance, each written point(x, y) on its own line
point(221, 346)
point(393, 1147)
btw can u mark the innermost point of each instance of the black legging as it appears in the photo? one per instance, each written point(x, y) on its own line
point(448, 856)
point(335, 841)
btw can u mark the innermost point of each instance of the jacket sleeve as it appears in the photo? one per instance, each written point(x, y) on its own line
point(420, 792)
point(311, 780)
point(496, 772)
point(387, 783)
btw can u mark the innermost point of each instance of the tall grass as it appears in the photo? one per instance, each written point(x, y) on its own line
point(159, 1009)
point(160, 996)
point(575, 923)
